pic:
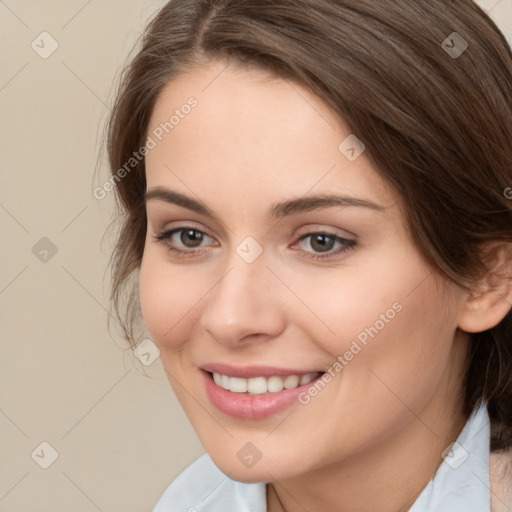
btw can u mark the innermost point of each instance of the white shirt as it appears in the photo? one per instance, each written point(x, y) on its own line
point(461, 483)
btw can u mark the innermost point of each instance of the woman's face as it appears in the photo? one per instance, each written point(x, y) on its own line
point(260, 289)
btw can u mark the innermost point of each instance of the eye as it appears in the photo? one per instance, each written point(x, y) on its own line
point(189, 237)
point(324, 242)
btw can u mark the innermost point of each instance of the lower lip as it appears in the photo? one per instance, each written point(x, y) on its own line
point(251, 407)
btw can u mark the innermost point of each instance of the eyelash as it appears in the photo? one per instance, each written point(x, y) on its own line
point(167, 234)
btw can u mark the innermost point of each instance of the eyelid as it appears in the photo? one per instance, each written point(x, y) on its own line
point(320, 228)
point(177, 225)
point(311, 234)
point(301, 232)
point(171, 231)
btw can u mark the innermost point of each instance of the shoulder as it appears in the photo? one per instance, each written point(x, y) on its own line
point(203, 487)
point(501, 480)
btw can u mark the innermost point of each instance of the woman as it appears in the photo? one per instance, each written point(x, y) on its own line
point(316, 212)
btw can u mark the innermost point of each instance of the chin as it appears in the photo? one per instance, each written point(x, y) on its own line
point(265, 470)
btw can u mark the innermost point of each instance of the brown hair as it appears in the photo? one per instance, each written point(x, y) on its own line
point(437, 126)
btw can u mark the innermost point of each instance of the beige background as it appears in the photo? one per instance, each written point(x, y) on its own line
point(119, 433)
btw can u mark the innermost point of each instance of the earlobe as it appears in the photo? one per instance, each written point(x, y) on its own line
point(491, 298)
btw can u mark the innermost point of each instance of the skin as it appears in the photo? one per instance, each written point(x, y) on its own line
point(253, 141)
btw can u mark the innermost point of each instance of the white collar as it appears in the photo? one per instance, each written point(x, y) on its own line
point(461, 483)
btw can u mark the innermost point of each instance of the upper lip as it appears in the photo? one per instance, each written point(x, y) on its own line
point(250, 371)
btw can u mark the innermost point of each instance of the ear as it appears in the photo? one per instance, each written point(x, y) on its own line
point(490, 299)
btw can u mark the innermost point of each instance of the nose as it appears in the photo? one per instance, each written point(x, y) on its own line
point(245, 305)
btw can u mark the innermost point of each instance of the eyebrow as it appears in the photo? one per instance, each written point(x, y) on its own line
point(277, 210)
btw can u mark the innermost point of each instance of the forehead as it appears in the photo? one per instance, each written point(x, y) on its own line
point(249, 132)
point(229, 96)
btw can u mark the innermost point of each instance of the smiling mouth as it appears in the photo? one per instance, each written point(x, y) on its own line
point(258, 396)
point(262, 385)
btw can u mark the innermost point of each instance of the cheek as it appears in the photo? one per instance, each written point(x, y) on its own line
point(402, 360)
point(339, 306)
point(392, 319)
point(167, 300)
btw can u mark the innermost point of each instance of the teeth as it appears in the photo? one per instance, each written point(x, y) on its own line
point(237, 385)
point(224, 381)
point(261, 385)
point(275, 384)
point(292, 381)
point(306, 379)
point(257, 385)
